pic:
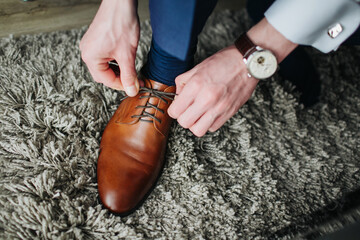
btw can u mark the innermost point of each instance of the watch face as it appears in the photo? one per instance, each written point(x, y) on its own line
point(262, 64)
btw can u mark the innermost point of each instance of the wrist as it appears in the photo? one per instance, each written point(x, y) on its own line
point(267, 37)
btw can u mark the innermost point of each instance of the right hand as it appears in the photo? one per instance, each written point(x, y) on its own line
point(113, 35)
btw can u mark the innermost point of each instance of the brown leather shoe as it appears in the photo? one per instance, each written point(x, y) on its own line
point(132, 148)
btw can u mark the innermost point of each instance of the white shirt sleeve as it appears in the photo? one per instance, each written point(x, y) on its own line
point(323, 24)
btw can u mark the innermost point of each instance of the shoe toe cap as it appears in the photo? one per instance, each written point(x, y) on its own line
point(117, 201)
point(122, 182)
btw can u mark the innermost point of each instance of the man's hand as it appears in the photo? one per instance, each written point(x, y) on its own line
point(113, 35)
point(214, 90)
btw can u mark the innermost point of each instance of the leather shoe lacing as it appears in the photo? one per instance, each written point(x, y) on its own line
point(163, 96)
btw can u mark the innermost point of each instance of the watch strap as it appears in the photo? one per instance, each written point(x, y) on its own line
point(245, 46)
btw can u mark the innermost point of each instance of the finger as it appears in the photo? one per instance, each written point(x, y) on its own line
point(182, 101)
point(141, 83)
point(222, 118)
point(192, 114)
point(200, 128)
point(205, 100)
point(103, 74)
point(128, 74)
point(182, 80)
point(218, 123)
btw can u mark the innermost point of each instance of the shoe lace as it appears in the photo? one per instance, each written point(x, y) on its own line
point(163, 96)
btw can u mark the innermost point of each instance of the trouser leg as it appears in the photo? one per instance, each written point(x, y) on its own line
point(176, 25)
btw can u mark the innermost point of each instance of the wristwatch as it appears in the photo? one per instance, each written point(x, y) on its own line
point(260, 63)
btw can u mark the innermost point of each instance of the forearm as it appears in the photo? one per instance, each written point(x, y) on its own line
point(266, 36)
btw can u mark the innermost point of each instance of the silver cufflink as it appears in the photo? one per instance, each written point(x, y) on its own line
point(335, 30)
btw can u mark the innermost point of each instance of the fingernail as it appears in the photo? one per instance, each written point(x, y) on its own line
point(171, 113)
point(131, 91)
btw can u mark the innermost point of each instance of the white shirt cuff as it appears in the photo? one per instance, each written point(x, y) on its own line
point(323, 24)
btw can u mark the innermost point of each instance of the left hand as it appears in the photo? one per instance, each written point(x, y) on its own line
point(212, 92)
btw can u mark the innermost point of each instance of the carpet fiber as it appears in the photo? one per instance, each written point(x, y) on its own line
point(275, 170)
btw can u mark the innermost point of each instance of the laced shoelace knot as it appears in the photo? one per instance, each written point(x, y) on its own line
point(162, 96)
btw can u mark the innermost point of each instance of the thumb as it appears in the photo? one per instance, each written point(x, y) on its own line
point(128, 76)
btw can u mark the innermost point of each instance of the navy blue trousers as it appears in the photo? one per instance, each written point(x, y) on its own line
point(176, 25)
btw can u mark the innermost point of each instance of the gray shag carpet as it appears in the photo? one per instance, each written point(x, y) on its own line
point(273, 171)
